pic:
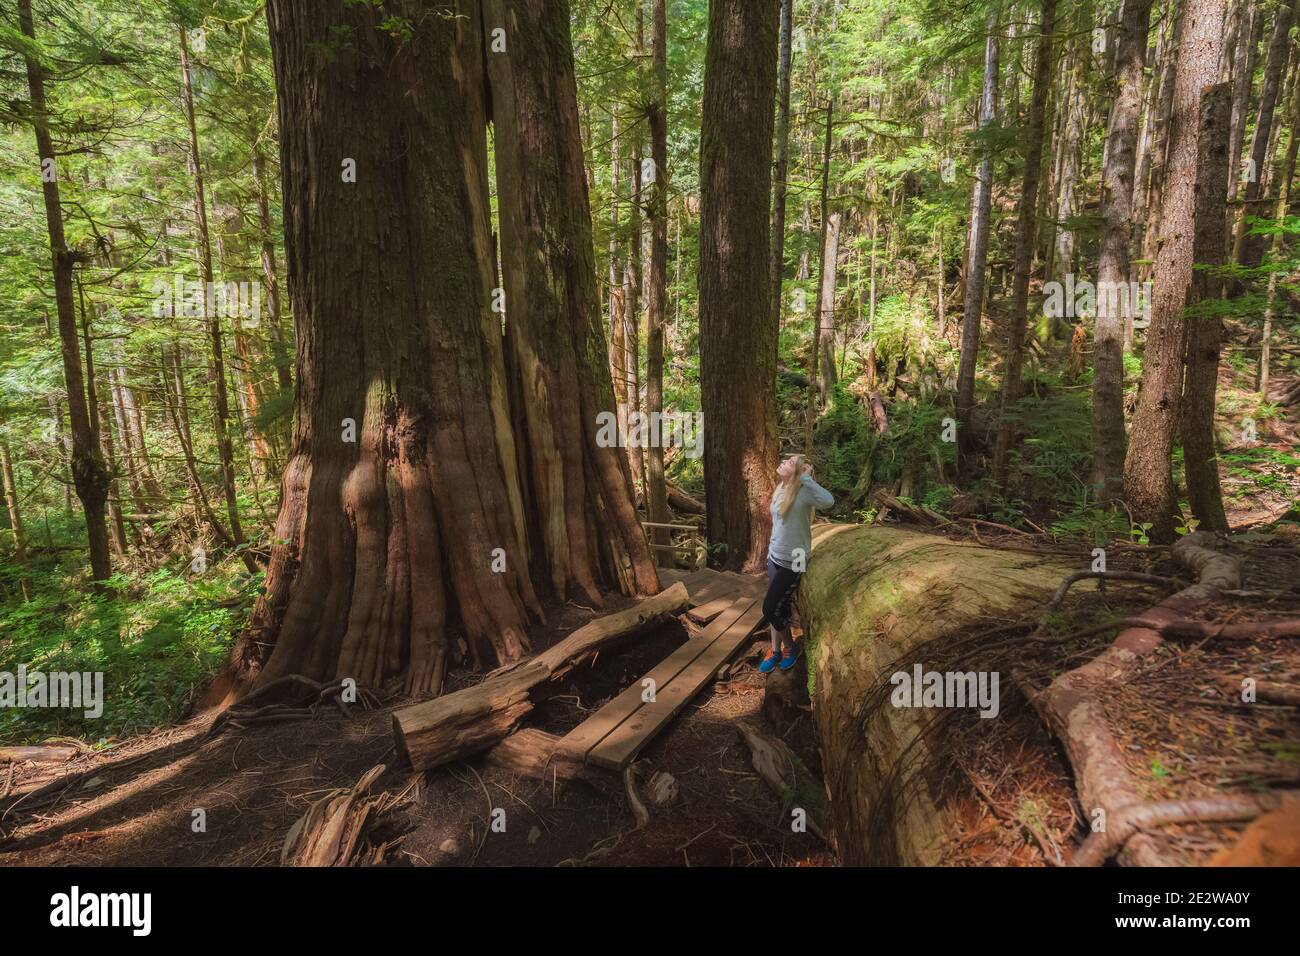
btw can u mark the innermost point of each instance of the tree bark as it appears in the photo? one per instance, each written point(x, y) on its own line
point(89, 476)
point(1113, 265)
point(1025, 234)
point(1148, 474)
point(1205, 330)
point(578, 492)
point(782, 168)
point(657, 293)
point(977, 240)
point(382, 538)
point(737, 338)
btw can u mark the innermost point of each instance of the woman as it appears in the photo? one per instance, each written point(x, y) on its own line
point(793, 502)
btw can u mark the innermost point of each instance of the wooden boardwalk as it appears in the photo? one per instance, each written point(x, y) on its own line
point(731, 607)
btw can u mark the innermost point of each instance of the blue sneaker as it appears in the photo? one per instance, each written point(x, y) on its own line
point(788, 660)
point(769, 662)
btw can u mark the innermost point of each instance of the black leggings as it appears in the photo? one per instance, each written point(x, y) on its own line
point(781, 585)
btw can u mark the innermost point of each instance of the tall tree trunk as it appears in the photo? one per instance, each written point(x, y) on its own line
point(977, 239)
point(281, 352)
point(782, 168)
point(1025, 234)
point(1205, 330)
point(1113, 264)
point(1277, 264)
point(1148, 473)
point(89, 476)
point(15, 514)
point(221, 401)
point(657, 293)
point(1164, 106)
point(822, 372)
point(1250, 30)
point(1244, 251)
point(737, 347)
point(580, 489)
point(827, 277)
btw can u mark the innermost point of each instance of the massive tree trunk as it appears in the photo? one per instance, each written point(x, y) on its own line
point(977, 239)
point(89, 476)
point(1148, 475)
point(1113, 265)
point(579, 491)
point(782, 167)
point(403, 506)
point(737, 338)
point(400, 485)
point(1205, 330)
point(1026, 230)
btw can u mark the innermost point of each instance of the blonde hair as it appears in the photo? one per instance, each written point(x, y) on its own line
point(788, 490)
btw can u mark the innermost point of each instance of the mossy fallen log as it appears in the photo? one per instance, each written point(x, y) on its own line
point(874, 596)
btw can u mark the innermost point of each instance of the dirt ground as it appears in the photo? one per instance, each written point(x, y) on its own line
point(139, 802)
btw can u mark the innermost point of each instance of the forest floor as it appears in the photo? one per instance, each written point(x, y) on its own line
point(135, 803)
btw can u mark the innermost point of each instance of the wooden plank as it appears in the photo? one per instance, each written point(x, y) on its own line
point(599, 725)
point(713, 599)
point(619, 748)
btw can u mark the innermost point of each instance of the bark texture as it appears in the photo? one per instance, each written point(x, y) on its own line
point(737, 338)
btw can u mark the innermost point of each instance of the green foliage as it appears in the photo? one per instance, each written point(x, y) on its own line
point(156, 637)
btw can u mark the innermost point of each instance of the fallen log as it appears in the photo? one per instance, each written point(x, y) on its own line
point(873, 595)
point(467, 721)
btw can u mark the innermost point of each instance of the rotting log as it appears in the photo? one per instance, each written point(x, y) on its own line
point(456, 725)
point(873, 595)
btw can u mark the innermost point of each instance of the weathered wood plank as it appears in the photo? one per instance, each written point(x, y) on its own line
point(625, 741)
point(603, 722)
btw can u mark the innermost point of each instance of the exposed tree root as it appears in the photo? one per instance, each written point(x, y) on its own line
point(1072, 704)
point(1170, 583)
point(1135, 818)
point(243, 715)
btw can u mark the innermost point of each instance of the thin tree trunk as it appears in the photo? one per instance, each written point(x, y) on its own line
point(1205, 331)
point(1113, 265)
point(657, 293)
point(1148, 474)
point(822, 373)
point(1025, 233)
point(782, 169)
point(1245, 58)
point(89, 476)
point(281, 352)
point(15, 515)
point(1279, 52)
point(221, 403)
point(737, 347)
point(977, 241)
point(1276, 263)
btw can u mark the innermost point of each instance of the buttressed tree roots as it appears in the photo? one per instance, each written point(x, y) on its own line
point(444, 448)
